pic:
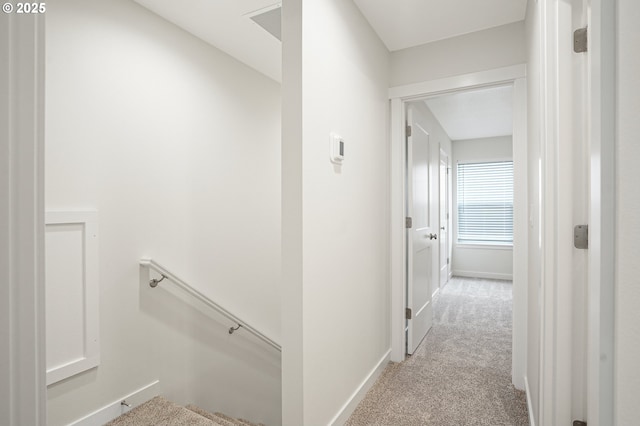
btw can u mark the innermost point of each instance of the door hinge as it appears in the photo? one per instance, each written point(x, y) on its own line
point(408, 130)
point(580, 40)
point(448, 260)
point(581, 236)
point(408, 222)
point(408, 313)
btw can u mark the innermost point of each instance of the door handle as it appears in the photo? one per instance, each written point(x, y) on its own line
point(433, 236)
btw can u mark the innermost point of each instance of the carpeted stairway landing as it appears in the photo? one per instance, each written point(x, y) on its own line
point(162, 412)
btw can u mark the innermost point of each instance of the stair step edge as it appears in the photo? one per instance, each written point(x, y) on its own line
point(160, 410)
point(211, 416)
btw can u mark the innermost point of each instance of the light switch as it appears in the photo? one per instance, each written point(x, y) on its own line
point(336, 148)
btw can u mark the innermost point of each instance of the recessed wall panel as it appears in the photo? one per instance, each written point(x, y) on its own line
point(71, 281)
point(65, 290)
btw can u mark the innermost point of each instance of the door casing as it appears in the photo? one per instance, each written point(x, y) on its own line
point(445, 215)
point(23, 383)
point(602, 214)
point(399, 96)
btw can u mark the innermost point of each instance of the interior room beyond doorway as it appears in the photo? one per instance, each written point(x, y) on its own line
point(504, 146)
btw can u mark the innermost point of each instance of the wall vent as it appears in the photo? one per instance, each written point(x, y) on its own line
point(271, 21)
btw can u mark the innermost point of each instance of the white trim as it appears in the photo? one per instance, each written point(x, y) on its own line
point(482, 246)
point(114, 409)
point(90, 289)
point(425, 306)
point(479, 274)
point(349, 407)
point(602, 226)
point(397, 239)
point(515, 75)
point(532, 419)
point(23, 395)
point(444, 219)
point(466, 81)
point(520, 269)
point(559, 108)
point(547, 397)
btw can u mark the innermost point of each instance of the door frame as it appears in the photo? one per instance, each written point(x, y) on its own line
point(446, 219)
point(399, 96)
point(23, 383)
point(601, 134)
point(602, 214)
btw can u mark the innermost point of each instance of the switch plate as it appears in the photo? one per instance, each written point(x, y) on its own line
point(336, 148)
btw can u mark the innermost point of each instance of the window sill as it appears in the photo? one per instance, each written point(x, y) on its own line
point(483, 246)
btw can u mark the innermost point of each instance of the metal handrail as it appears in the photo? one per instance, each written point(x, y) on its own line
point(166, 274)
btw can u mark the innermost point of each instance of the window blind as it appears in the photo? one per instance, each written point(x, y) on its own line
point(485, 202)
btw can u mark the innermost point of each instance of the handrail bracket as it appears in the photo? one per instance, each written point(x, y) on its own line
point(153, 283)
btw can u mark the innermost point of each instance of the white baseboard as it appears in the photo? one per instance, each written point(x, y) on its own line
point(479, 274)
point(349, 407)
point(532, 420)
point(517, 381)
point(115, 409)
point(435, 293)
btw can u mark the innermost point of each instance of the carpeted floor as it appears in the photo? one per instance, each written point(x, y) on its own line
point(159, 411)
point(461, 373)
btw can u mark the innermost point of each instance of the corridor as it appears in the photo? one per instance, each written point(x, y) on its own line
point(461, 373)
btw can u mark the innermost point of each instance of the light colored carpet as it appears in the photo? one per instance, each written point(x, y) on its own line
point(161, 412)
point(220, 420)
point(238, 422)
point(461, 373)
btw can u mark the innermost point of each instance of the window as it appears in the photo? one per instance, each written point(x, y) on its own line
point(485, 203)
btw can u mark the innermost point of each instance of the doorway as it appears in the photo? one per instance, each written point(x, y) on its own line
point(474, 127)
point(400, 97)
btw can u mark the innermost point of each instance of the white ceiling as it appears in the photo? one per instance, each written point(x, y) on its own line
point(406, 23)
point(475, 114)
point(227, 25)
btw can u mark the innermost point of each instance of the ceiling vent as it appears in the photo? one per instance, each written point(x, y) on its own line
point(270, 20)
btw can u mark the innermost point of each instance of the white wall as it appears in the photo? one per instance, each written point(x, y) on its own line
point(177, 146)
point(627, 300)
point(472, 261)
point(335, 221)
point(478, 51)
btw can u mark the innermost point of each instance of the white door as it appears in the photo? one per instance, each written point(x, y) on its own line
point(421, 236)
point(444, 219)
